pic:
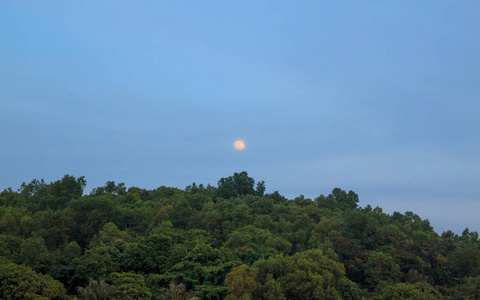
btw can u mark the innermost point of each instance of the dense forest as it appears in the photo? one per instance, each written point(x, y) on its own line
point(232, 241)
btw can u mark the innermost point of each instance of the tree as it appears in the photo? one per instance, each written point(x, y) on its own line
point(241, 281)
point(66, 189)
point(31, 189)
point(21, 282)
point(89, 214)
point(260, 189)
point(10, 220)
point(110, 234)
point(96, 290)
point(380, 267)
point(150, 253)
point(178, 292)
point(237, 185)
point(95, 264)
point(305, 275)
point(272, 289)
point(251, 243)
point(199, 238)
point(470, 289)
point(182, 212)
point(345, 200)
point(408, 291)
point(33, 252)
point(53, 227)
point(129, 286)
point(465, 260)
point(110, 188)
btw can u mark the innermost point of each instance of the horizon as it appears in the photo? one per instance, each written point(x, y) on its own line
point(89, 189)
point(378, 98)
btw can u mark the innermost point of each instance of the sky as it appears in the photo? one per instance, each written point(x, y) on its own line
point(378, 97)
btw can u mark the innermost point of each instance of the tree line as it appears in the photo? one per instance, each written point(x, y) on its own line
point(231, 241)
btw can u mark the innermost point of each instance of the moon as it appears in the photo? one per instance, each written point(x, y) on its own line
point(239, 145)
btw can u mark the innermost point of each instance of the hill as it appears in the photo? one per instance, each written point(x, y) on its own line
point(232, 241)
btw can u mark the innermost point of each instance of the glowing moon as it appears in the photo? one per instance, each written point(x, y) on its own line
point(239, 145)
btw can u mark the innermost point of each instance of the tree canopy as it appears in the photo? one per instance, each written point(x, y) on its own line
point(232, 241)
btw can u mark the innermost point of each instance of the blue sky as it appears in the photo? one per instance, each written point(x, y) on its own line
point(378, 97)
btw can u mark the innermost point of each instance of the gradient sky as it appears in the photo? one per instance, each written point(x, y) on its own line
point(378, 97)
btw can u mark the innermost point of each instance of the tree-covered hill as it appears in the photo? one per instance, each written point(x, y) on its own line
point(232, 241)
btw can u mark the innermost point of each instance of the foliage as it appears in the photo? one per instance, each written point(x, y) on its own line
point(178, 292)
point(96, 290)
point(233, 241)
point(419, 290)
point(239, 184)
point(129, 286)
point(21, 282)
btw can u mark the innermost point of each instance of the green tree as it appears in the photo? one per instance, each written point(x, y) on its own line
point(11, 220)
point(10, 246)
point(305, 275)
point(178, 292)
point(109, 235)
point(408, 291)
point(129, 286)
point(33, 252)
point(96, 290)
point(251, 243)
point(241, 282)
point(64, 190)
point(21, 282)
point(465, 260)
point(53, 227)
point(89, 214)
point(380, 267)
point(150, 254)
point(95, 264)
point(182, 212)
point(237, 185)
point(273, 289)
point(260, 188)
point(33, 188)
point(470, 289)
point(109, 188)
point(344, 199)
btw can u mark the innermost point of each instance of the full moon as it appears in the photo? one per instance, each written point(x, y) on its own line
point(239, 145)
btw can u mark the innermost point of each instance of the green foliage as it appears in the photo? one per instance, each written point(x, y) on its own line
point(33, 252)
point(9, 246)
point(182, 213)
point(129, 286)
point(66, 189)
point(110, 188)
point(237, 185)
point(178, 292)
point(96, 290)
point(470, 289)
point(338, 198)
point(94, 264)
point(110, 234)
point(408, 291)
point(380, 267)
point(260, 188)
point(465, 260)
point(11, 220)
point(305, 275)
point(150, 254)
point(89, 214)
point(21, 282)
point(233, 241)
point(54, 227)
point(252, 243)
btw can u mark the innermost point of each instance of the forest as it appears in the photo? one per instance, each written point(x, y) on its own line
point(232, 241)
